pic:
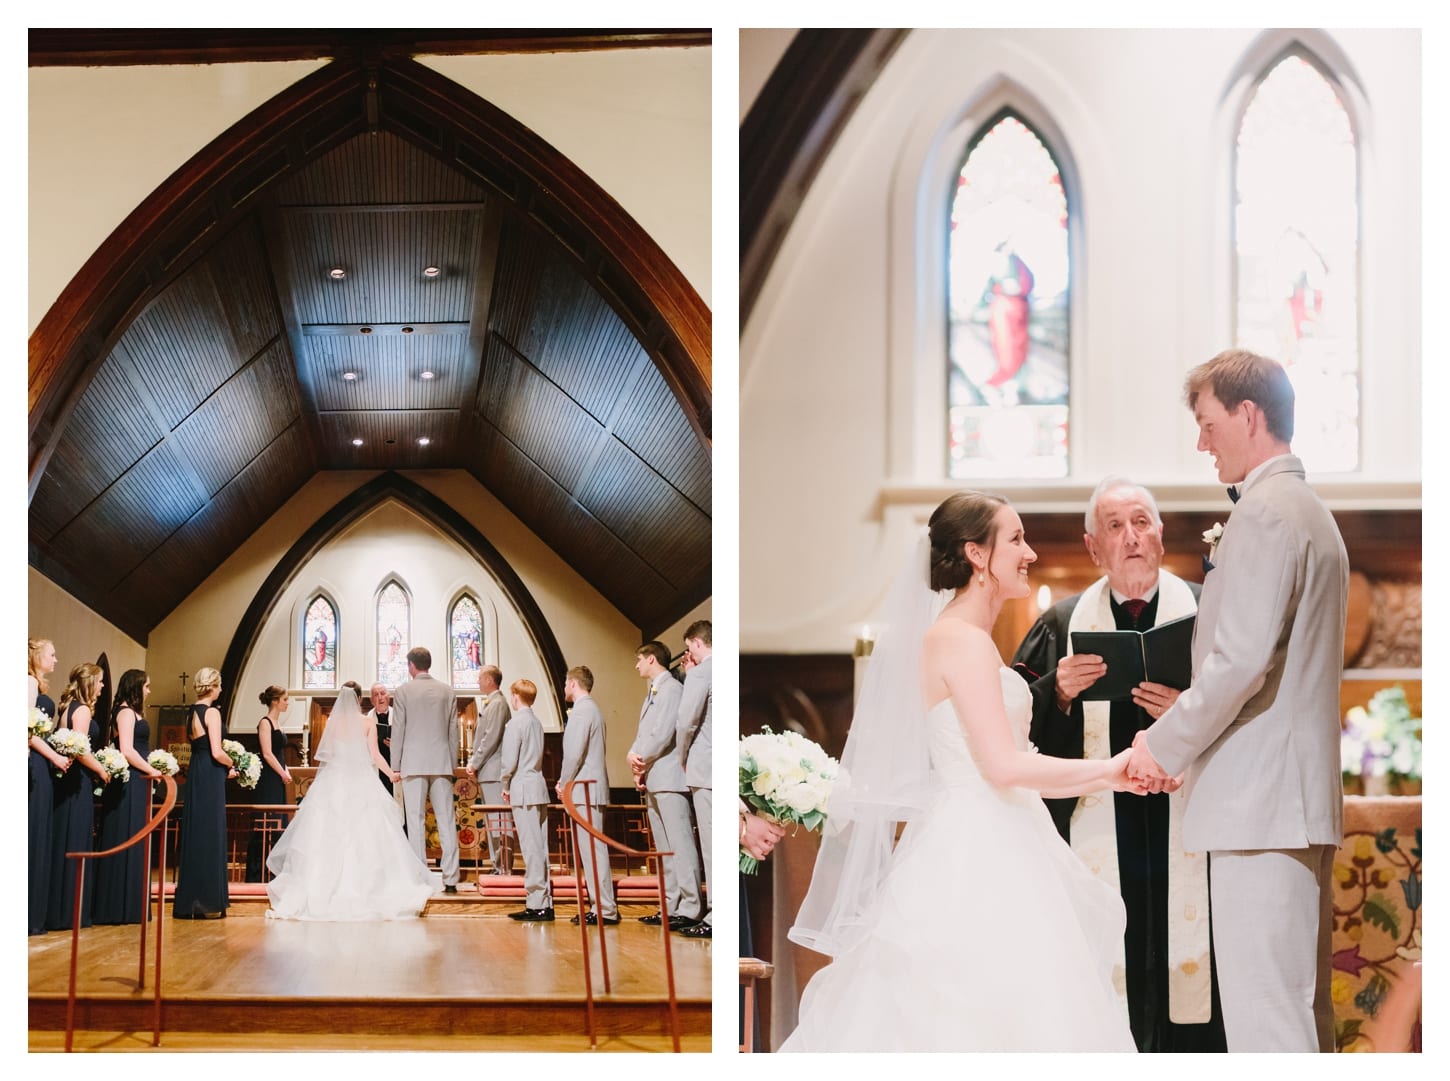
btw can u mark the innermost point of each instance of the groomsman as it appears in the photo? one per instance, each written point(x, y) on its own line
point(584, 761)
point(379, 715)
point(484, 762)
point(527, 795)
point(655, 760)
point(693, 735)
point(1257, 732)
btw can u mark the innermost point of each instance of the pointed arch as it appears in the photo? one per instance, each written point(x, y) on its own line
point(392, 630)
point(467, 637)
point(352, 508)
point(316, 644)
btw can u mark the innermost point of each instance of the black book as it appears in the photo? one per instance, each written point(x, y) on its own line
point(1161, 654)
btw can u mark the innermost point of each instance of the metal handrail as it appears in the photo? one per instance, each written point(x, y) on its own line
point(143, 837)
point(583, 822)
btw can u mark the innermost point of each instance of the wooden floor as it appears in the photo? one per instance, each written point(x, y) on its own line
point(464, 977)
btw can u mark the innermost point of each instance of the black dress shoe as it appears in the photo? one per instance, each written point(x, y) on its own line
point(679, 923)
point(450, 889)
point(700, 930)
point(592, 921)
point(534, 915)
point(653, 921)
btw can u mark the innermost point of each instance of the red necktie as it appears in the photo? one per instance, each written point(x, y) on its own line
point(1134, 608)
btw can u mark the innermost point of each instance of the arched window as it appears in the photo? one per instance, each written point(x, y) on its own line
point(319, 644)
point(395, 633)
point(465, 634)
point(1008, 279)
point(1296, 251)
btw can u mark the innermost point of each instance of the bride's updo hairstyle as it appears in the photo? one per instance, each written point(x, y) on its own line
point(271, 694)
point(962, 517)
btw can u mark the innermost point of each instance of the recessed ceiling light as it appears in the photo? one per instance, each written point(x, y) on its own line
point(365, 330)
point(357, 442)
point(407, 330)
point(425, 375)
point(337, 273)
point(349, 376)
point(423, 441)
point(431, 272)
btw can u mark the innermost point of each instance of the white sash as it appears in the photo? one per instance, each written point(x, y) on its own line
point(1095, 837)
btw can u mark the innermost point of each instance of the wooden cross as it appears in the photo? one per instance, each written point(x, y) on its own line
point(183, 688)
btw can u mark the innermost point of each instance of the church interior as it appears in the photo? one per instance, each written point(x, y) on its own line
point(987, 258)
point(348, 342)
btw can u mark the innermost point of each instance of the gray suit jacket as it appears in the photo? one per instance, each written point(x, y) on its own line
point(655, 740)
point(425, 728)
point(488, 737)
point(584, 750)
point(521, 770)
point(1258, 731)
point(693, 727)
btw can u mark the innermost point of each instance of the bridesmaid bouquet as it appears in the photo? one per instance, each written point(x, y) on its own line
point(163, 762)
point(115, 763)
point(69, 742)
point(248, 765)
point(786, 777)
point(40, 722)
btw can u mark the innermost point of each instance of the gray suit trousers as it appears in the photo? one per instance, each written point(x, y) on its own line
point(669, 822)
point(531, 822)
point(495, 824)
point(704, 800)
point(439, 792)
point(590, 851)
point(1272, 924)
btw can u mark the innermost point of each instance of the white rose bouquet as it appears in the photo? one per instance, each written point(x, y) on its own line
point(163, 762)
point(786, 777)
point(248, 765)
point(40, 722)
point(69, 742)
point(116, 765)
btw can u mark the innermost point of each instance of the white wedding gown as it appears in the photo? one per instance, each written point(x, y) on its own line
point(988, 933)
point(344, 857)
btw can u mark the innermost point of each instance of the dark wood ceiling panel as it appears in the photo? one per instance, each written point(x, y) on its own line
point(381, 168)
point(243, 278)
point(388, 368)
point(580, 539)
point(403, 426)
point(646, 513)
point(663, 437)
point(383, 254)
point(537, 417)
point(241, 419)
point(110, 430)
point(551, 315)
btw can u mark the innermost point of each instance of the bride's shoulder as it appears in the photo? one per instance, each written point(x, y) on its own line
point(956, 635)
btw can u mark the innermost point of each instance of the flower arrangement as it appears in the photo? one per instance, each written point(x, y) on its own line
point(40, 722)
point(117, 768)
point(786, 777)
point(163, 762)
point(69, 742)
point(1381, 743)
point(248, 765)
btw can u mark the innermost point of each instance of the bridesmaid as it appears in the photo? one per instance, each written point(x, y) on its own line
point(43, 757)
point(125, 808)
point(74, 804)
point(271, 788)
point(201, 880)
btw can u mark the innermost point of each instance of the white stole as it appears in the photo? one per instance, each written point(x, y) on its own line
point(1095, 837)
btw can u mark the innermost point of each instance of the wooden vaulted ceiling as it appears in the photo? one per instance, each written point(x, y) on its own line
point(287, 326)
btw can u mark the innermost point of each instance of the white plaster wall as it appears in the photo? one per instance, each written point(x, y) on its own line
point(833, 424)
point(78, 633)
point(102, 139)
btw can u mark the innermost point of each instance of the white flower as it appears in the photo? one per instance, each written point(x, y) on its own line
point(40, 722)
point(1211, 537)
point(786, 776)
point(163, 762)
point(69, 742)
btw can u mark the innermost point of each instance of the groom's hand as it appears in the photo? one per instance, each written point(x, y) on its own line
point(470, 771)
point(1143, 767)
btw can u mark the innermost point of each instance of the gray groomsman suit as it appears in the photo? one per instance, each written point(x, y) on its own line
point(665, 794)
point(493, 714)
point(425, 741)
point(521, 774)
point(1258, 733)
point(693, 735)
point(584, 761)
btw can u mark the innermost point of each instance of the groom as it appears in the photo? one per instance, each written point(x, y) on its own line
point(1258, 729)
point(425, 733)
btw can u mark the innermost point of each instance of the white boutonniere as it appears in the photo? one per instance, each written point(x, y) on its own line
point(1211, 537)
point(652, 690)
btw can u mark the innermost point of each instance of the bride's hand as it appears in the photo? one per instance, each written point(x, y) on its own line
point(1118, 779)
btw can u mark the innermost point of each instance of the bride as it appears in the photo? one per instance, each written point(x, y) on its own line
point(344, 856)
point(980, 930)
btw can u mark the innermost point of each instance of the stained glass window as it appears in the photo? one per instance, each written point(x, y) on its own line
point(319, 644)
point(465, 632)
point(394, 635)
point(1008, 289)
point(1296, 248)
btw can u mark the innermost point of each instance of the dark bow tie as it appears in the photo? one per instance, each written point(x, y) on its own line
point(1233, 494)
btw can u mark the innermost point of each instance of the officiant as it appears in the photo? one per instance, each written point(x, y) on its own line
point(1132, 842)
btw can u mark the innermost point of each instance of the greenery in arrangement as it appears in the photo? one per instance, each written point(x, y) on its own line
point(1381, 740)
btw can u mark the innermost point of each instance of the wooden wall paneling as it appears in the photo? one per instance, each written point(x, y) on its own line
point(661, 437)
